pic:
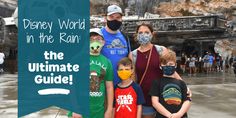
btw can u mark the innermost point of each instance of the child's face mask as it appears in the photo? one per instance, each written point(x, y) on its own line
point(168, 70)
point(96, 47)
point(124, 74)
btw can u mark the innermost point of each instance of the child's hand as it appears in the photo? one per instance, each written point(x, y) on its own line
point(189, 93)
point(75, 115)
point(108, 114)
point(176, 115)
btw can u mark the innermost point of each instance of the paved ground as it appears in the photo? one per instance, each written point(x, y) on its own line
point(213, 97)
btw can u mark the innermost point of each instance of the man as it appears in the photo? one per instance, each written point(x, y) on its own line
point(206, 65)
point(116, 47)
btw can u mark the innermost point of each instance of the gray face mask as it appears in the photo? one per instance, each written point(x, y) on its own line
point(144, 38)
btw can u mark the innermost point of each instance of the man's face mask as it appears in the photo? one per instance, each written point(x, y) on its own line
point(114, 25)
point(144, 38)
point(95, 47)
point(168, 70)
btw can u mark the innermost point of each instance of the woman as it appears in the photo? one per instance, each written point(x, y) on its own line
point(183, 62)
point(192, 65)
point(147, 64)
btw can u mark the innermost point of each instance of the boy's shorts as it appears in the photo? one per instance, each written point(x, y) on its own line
point(148, 110)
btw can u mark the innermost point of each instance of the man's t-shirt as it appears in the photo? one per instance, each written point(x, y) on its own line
point(171, 93)
point(100, 72)
point(115, 48)
point(127, 99)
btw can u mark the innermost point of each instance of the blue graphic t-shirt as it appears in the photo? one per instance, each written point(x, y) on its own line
point(115, 48)
point(171, 93)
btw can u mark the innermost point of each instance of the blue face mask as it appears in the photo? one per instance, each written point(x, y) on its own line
point(144, 38)
point(168, 70)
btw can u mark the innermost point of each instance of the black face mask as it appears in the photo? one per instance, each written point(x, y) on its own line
point(168, 70)
point(114, 25)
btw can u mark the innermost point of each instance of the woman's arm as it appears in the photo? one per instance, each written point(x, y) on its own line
point(133, 76)
point(176, 76)
point(130, 56)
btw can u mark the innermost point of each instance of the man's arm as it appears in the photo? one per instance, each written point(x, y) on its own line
point(160, 108)
point(110, 97)
point(139, 111)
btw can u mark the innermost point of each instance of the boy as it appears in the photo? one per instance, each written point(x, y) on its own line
point(101, 79)
point(128, 95)
point(169, 95)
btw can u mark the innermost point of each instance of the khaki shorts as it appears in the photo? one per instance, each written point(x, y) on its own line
point(206, 65)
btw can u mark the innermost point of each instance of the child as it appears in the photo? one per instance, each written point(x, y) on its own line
point(169, 95)
point(128, 95)
point(101, 79)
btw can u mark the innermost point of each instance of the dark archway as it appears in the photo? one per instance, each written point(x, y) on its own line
point(191, 47)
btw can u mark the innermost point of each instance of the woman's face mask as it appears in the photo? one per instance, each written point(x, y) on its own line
point(144, 38)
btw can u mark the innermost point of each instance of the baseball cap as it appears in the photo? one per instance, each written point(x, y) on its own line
point(97, 31)
point(113, 9)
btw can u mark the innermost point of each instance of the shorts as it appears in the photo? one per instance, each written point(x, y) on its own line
point(218, 63)
point(210, 64)
point(148, 110)
point(191, 64)
point(206, 65)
